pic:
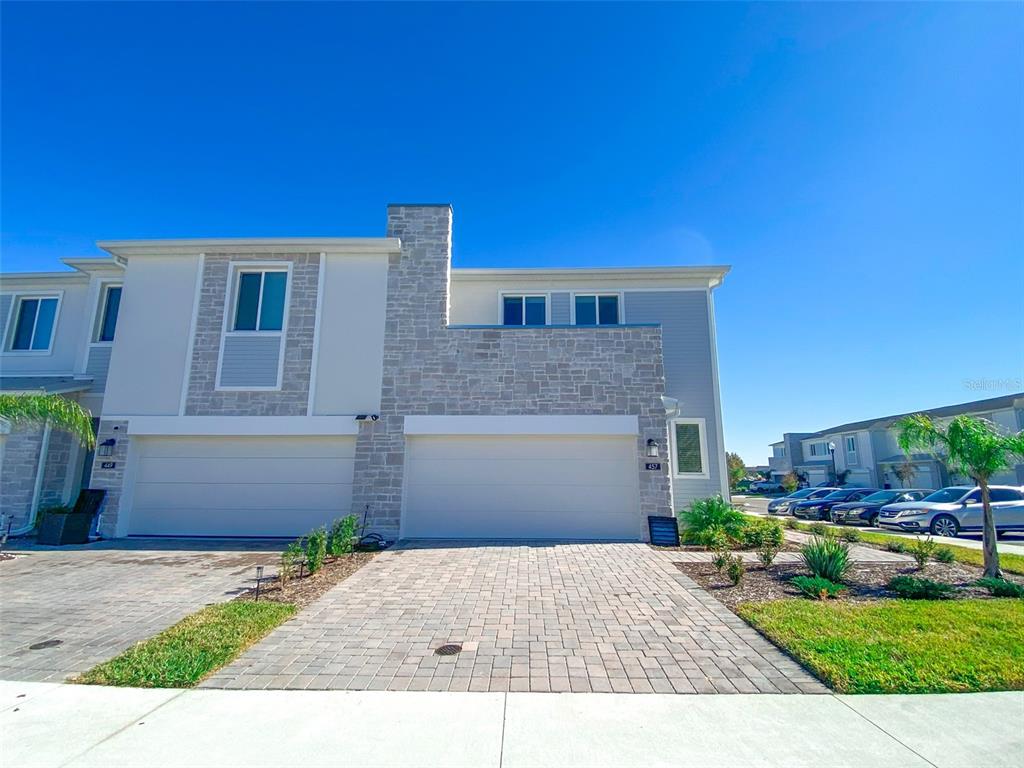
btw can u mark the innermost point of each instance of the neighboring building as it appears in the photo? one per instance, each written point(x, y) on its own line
point(265, 387)
point(780, 462)
point(869, 452)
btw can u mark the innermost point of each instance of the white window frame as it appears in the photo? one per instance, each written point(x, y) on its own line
point(851, 454)
point(597, 294)
point(12, 321)
point(523, 295)
point(101, 307)
point(235, 270)
point(782, 452)
point(703, 434)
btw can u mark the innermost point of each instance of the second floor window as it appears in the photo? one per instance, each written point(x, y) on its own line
point(259, 305)
point(108, 316)
point(851, 449)
point(597, 309)
point(524, 310)
point(33, 331)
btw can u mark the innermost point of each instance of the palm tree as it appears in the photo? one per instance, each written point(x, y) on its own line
point(972, 447)
point(59, 412)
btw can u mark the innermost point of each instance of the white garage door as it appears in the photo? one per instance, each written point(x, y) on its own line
point(521, 487)
point(229, 486)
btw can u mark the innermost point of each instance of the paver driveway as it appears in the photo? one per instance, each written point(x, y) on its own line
point(101, 599)
point(530, 617)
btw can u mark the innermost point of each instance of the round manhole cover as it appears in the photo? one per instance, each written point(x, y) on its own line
point(45, 644)
point(449, 649)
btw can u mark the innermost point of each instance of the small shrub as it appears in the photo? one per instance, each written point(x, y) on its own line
point(819, 529)
point(816, 587)
point(913, 588)
point(790, 523)
point(710, 514)
point(922, 550)
point(292, 556)
point(895, 545)
point(827, 557)
point(734, 569)
point(945, 555)
point(849, 534)
point(757, 533)
point(714, 538)
point(340, 540)
point(766, 554)
point(720, 560)
point(1001, 587)
point(316, 550)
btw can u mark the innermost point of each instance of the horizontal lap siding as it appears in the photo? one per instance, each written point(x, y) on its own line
point(686, 346)
point(560, 313)
point(5, 306)
point(97, 367)
point(250, 361)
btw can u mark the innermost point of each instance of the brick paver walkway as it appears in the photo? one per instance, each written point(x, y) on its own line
point(541, 617)
point(101, 599)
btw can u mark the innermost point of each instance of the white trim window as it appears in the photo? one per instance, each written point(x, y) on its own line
point(34, 323)
point(524, 309)
point(260, 299)
point(850, 443)
point(596, 309)
point(106, 318)
point(819, 449)
point(689, 448)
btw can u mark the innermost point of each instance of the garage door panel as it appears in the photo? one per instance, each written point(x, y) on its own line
point(522, 447)
point(227, 486)
point(540, 472)
point(526, 487)
point(262, 471)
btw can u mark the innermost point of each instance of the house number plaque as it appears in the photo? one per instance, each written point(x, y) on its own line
point(655, 465)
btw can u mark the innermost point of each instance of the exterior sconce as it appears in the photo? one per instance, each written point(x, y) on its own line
point(652, 448)
point(107, 447)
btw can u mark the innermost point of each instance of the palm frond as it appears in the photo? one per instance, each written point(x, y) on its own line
point(60, 412)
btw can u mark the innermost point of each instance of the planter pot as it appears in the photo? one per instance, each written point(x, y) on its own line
point(56, 528)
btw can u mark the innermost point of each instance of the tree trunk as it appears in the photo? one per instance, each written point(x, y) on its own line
point(988, 539)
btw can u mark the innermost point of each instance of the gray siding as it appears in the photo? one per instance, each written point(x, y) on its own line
point(686, 339)
point(97, 366)
point(250, 361)
point(560, 308)
point(5, 307)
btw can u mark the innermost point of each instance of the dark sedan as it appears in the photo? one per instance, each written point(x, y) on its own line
point(865, 511)
point(781, 506)
point(821, 509)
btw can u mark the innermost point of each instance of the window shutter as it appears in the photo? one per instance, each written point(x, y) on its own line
point(688, 459)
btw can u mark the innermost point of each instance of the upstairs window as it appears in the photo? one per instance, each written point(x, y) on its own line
point(259, 305)
point(33, 329)
point(108, 313)
point(689, 447)
point(524, 310)
point(851, 449)
point(596, 309)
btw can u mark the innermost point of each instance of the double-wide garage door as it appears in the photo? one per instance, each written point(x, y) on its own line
point(237, 486)
point(521, 487)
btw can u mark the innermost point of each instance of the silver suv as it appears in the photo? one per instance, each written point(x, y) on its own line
point(958, 508)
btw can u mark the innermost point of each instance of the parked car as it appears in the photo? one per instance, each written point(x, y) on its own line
point(782, 506)
point(949, 511)
point(865, 511)
point(766, 486)
point(821, 509)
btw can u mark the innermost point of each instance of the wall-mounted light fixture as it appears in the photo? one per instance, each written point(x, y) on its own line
point(652, 448)
point(107, 447)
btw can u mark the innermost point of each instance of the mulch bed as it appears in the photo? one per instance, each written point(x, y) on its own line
point(866, 581)
point(302, 592)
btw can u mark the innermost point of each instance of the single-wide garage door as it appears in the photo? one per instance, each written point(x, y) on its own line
point(521, 487)
point(239, 486)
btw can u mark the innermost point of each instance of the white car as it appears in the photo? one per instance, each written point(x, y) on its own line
point(958, 508)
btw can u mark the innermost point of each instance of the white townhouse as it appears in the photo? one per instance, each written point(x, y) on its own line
point(263, 387)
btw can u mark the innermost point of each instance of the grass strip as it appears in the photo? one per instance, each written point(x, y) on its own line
point(184, 654)
point(901, 646)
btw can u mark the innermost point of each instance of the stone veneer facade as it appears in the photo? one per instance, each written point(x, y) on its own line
point(293, 397)
point(430, 368)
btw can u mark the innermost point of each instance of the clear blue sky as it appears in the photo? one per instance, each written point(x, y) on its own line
point(860, 166)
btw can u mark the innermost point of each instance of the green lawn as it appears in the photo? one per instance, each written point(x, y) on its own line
point(901, 646)
point(182, 655)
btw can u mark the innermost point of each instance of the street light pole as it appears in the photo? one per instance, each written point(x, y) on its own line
point(832, 450)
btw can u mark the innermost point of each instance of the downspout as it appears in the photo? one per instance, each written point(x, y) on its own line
point(37, 489)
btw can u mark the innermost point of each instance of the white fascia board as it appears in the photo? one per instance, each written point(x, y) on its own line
point(522, 425)
point(59, 278)
point(89, 264)
point(711, 274)
point(241, 426)
point(360, 246)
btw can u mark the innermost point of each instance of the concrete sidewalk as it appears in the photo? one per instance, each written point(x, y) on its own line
point(44, 724)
